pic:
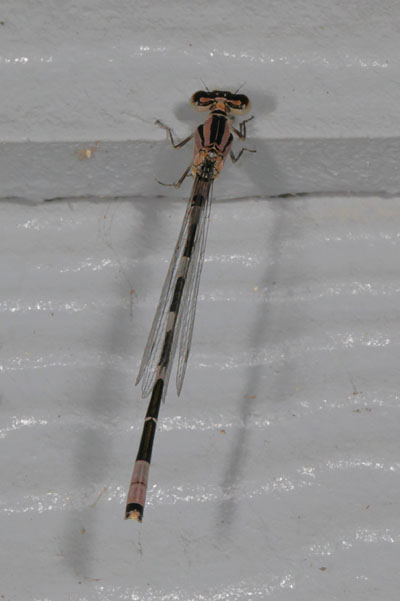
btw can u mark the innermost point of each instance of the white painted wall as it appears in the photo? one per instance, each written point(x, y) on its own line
point(276, 474)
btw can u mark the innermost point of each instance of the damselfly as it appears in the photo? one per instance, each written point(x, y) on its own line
point(174, 318)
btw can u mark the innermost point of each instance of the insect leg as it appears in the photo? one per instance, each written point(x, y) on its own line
point(171, 138)
point(241, 132)
point(180, 180)
point(235, 159)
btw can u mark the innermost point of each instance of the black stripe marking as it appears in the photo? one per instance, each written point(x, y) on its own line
point(166, 349)
point(229, 142)
point(190, 241)
point(200, 129)
point(176, 299)
point(149, 428)
point(218, 126)
point(197, 200)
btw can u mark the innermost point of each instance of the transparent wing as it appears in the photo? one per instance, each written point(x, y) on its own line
point(190, 293)
point(150, 356)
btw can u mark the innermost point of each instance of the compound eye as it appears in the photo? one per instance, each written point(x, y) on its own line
point(239, 104)
point(201, 100)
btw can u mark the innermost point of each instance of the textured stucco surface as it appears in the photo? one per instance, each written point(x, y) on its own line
point(275, 475)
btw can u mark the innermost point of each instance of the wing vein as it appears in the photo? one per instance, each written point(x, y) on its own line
point(197, 213)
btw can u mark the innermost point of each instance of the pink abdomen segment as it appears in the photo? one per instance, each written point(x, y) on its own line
point(137, 490)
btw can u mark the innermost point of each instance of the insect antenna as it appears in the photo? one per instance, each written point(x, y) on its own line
point(207, 90)
point(240, 87)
